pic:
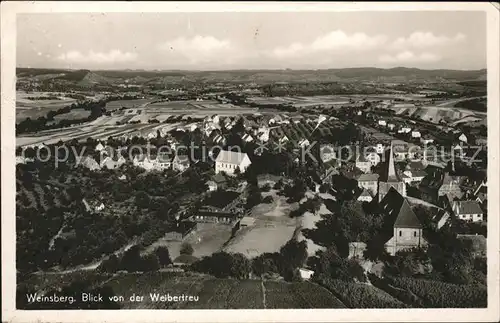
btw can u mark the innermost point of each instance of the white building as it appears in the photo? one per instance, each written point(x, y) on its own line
point(462, 138)
point(382, 123)
point(247, 138)
point(404, 130)
point(365, 196)
point(468, 211)
point(416, 134)
point(229, 161)
point(306, 274)
point(99, 147)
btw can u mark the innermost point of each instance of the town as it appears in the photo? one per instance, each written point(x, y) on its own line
point(378, 194)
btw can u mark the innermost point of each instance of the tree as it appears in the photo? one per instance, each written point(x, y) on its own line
point(163, 256)
point(254, 196)
point(240, 266)
point(294, 253)
point(186, 249)
point(142, 199)
point(150, 262)
point(131, 260)
point(266, 263)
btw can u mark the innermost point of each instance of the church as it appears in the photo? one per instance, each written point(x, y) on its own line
point(389, 178)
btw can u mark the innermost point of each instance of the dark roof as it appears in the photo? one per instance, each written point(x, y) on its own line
point(398, 211)
point(368, 177)
point(418, 173)
point(406, 217)
point(389, 174)
point(469, 207)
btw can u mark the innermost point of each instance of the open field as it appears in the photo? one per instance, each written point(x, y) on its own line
point(73, 114)
point(206, 239)
point(196, 108)
point(212, 293)
point(271, 230)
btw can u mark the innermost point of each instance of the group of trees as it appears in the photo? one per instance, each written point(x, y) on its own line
point(42, 123)
point(133, 261)
point(284, 263)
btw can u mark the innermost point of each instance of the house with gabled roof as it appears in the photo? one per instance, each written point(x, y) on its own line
point(369, 182)
point(468, 211)
point(365, 196)
point(407, 229)
point(229, 161)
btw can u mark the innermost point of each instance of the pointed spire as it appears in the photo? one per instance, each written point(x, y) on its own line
point(391, 173)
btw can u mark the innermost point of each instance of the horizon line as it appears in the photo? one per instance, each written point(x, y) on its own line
point(250, 69)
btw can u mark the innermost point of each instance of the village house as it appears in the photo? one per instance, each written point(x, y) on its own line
point(404, 130)
point(306, 274)
point(229, 161)
point(369, 182)
point(416, 134)
point(179, 230)
point(481, 193)
point(382, 123)
point(468, 211)
point(87, 162)
point(99, 147)
point(113, 162)
point(180, 163)
point(407, 230)
point(425, 140)
point(247, 138)
point(463, 138)
point(442, 218)
point(366, 159)
point(215, 216)
point(212, 186)
point(365, 196)
point(450, 186)
point(391, 126)
point(413, 176)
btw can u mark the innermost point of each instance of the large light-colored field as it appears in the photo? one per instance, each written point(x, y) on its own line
point(207, 239)
point(271, 230)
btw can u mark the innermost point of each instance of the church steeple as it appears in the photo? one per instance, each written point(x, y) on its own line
point(391, 168)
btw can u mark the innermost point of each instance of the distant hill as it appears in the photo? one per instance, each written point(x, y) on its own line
point(365, 74)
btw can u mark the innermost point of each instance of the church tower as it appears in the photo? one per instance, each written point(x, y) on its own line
point(390, 179)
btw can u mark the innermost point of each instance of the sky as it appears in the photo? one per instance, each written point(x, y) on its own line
point(245, 40)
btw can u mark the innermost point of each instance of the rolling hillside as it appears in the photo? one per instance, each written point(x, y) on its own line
point(399, 74)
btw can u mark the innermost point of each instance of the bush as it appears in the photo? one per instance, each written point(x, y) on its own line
point(163, 256)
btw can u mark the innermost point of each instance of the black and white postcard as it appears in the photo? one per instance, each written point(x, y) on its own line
point(257, 161)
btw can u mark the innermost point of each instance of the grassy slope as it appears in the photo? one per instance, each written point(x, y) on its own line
point(213, 293)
